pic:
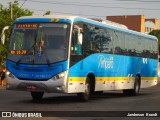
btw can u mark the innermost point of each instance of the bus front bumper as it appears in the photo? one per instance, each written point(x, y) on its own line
point(50, 86)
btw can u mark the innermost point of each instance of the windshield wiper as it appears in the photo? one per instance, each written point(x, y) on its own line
point(28, 51)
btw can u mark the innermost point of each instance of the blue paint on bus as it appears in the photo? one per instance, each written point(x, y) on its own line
point(111, 65)
point(36, 72)
point(45, 20)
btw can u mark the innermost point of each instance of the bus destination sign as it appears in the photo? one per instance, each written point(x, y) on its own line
point(27, 25)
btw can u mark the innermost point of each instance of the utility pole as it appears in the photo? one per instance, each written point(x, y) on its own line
point(11, 9)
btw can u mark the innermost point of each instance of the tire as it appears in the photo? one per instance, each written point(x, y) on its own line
point(37, 95)
point(136, 86)
point(86, 94)
point(135, 90)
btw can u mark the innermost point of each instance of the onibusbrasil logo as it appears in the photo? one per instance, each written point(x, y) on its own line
point(21, 114)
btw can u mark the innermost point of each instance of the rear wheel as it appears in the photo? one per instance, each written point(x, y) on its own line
point(135, 90)
point(37, 95)
point(136, 86)
point(86, 94)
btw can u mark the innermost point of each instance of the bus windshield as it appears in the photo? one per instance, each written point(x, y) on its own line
point(43, 43)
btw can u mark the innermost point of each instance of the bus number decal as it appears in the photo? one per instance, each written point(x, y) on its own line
point(144, 60)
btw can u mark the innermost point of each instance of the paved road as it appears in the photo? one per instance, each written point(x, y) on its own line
point(148, 100)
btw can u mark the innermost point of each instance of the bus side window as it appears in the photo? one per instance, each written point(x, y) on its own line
point(91, 39)
point(106, 42)
point(87, 39)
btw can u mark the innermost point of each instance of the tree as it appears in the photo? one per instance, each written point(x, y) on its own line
point(157, 34)
point(5, 20)
point(48, 13)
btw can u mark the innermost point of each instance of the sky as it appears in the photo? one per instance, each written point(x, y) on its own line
point(92, 8)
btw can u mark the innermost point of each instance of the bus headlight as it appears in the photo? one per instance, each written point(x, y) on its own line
point(9, 74)
point(59, 76)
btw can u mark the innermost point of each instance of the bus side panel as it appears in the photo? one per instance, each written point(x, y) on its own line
point(76, 79)
point(101, 65)
point(109, 71)
point(150, 77)
point(112, 72)
point(127, 79)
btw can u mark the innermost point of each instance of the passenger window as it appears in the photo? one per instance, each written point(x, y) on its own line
point(92, 39)
point(119, 46)
point(106, 42)
point(130, 45)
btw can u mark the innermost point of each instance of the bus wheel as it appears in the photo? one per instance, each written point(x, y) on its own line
point(135, 90)
point(136, 86)
point(37, 95)
point(86, 94)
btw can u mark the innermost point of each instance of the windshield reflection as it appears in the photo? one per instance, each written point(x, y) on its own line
point(44, 44)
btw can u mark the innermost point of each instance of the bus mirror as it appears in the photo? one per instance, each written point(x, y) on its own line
point(3, 39)
point(3, 34)
point(80, 38)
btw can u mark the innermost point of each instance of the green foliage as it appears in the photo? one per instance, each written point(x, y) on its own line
point(48, 13)
point(5, 20)
point(156, 33)
point(2, 55)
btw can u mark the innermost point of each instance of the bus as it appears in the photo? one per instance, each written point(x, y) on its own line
point(72, 54)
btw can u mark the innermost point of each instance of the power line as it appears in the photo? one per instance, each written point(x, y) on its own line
point(86, 5)
point(21, 7)
point(113, 2)
point(72, 13)
point(75, 14)
point(23, 3)
point(87, 2)
point(139, 0)
point(66, 13)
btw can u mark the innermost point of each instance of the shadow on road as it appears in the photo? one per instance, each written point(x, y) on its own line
point(72, 98)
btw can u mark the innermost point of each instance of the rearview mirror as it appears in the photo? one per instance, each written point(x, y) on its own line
point(80, 36)
point(3, 34)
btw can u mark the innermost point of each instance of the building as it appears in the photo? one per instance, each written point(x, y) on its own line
point(136, 22)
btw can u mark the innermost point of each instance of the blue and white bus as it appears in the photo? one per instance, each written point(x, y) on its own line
point(71, 54)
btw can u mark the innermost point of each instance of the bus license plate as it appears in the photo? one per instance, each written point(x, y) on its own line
point(32, 87)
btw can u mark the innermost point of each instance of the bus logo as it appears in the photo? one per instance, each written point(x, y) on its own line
point(105, 63)
point(6, 114)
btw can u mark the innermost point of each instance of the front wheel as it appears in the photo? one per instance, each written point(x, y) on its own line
point(86, 94)
point(37, 95)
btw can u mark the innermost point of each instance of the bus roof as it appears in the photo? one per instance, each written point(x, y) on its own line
point(71, 19)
